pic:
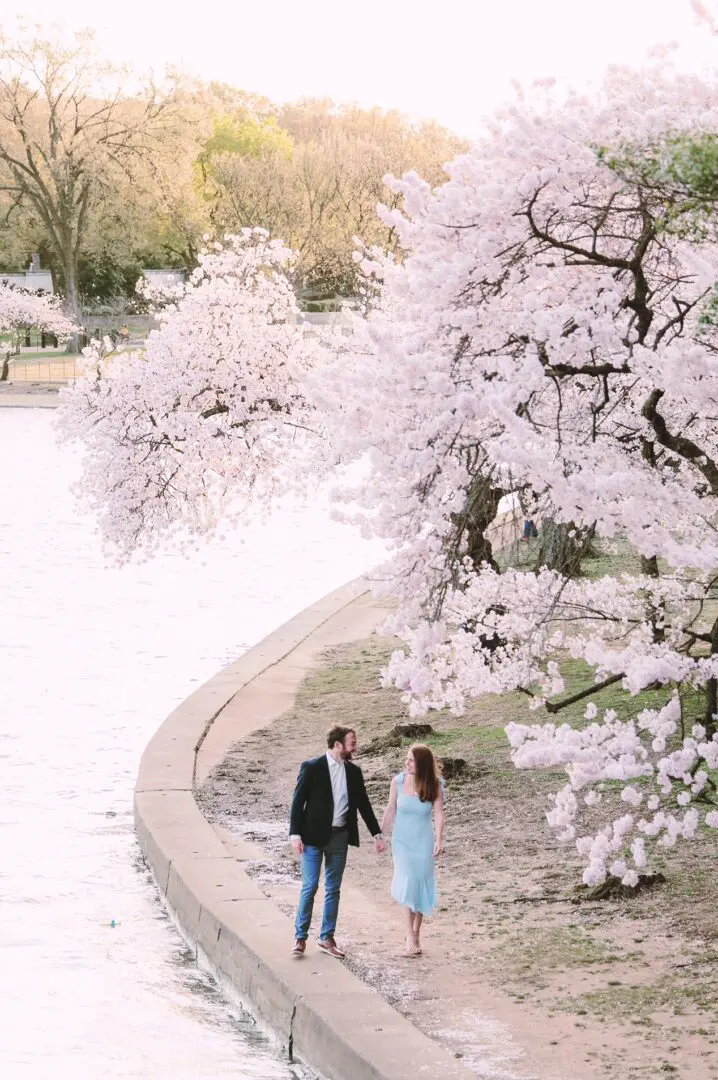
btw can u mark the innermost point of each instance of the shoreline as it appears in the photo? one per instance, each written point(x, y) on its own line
point(318, 1011)
point(30, 395)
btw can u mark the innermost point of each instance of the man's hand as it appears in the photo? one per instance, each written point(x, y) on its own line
point(297, 844)
point(379, 844)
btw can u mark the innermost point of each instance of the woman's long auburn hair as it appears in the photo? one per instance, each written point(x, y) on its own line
point(426, 772)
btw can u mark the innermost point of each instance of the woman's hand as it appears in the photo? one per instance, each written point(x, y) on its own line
point(438, 848)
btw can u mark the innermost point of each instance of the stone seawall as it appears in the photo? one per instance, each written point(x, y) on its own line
point(28, 396)
point(320, 1013)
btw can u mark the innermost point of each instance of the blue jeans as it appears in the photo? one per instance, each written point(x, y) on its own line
point(335, 856)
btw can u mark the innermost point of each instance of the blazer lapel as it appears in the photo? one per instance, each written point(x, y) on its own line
point(324, 767)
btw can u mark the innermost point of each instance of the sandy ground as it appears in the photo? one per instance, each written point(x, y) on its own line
point(521, 976)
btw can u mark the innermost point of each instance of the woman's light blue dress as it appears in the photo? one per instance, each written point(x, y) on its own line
point(412, 848)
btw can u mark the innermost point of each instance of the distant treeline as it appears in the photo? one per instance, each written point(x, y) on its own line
point(104, 183)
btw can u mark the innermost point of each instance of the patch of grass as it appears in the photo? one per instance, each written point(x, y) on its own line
point(353, 672)
point(41, 354)
point(613, 558)
point(639, 1001)
point(480, 740)
point(552, 948)
point(335, 680)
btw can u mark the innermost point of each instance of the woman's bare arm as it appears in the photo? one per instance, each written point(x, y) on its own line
point(390, 813)
point(439, 821)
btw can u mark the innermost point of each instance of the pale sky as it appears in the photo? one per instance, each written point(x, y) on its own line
point(452, 60)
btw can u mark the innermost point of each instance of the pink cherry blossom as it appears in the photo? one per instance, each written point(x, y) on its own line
point(544, 346)
point(21, 310)
point(206, 419)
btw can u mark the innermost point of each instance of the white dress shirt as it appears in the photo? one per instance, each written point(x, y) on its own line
point(338, 777)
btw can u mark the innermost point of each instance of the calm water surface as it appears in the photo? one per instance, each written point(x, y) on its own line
point(91, 661)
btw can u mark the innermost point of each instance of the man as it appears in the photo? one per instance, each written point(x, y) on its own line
point(330, 789)
point(530, 531)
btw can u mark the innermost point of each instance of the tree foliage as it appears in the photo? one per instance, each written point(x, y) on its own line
point(21, 311)
point(104, 173)
point(319, 191)
point(68, 131)
point(539, 328)
point(203, 419)
point(545, 334)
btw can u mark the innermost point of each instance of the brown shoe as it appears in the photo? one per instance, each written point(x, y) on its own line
point(300, 947)
point(329, 945)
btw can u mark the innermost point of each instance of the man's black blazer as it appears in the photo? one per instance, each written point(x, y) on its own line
point(313, 804)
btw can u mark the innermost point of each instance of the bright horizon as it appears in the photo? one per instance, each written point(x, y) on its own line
point(437, 61)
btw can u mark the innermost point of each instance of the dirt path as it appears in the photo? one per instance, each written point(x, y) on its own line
point(520, 976)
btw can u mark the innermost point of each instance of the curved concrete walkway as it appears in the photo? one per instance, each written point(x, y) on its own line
point(321, 1013)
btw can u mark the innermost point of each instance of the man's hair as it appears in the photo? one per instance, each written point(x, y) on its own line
point(338, 734)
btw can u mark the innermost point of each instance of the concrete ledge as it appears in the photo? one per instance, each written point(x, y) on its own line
point(315, 1007)
point(45, 398)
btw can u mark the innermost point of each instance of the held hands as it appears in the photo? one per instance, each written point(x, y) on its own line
point(379, 844)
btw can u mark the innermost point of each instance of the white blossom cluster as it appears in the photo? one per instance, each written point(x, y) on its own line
point(20, 310)
point(203, 419)
point(668, 792)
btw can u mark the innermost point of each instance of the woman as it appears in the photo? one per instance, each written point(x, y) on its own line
point(414, 793)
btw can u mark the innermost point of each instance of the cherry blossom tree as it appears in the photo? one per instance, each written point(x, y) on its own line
point(201, 422)
point(547, 338)
point(20, 311)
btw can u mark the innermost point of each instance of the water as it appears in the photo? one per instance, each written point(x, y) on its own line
point(91, 661)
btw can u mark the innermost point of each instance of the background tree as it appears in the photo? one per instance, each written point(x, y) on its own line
point(104, 174)
point(218, 120)
point(21, 311)
point(68, 133)
point(320, 186)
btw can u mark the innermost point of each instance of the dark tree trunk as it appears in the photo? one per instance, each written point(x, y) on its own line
point(481, 506)
point(72, 303)
point(564, 546)
point(709, 720)
point(656, 616)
